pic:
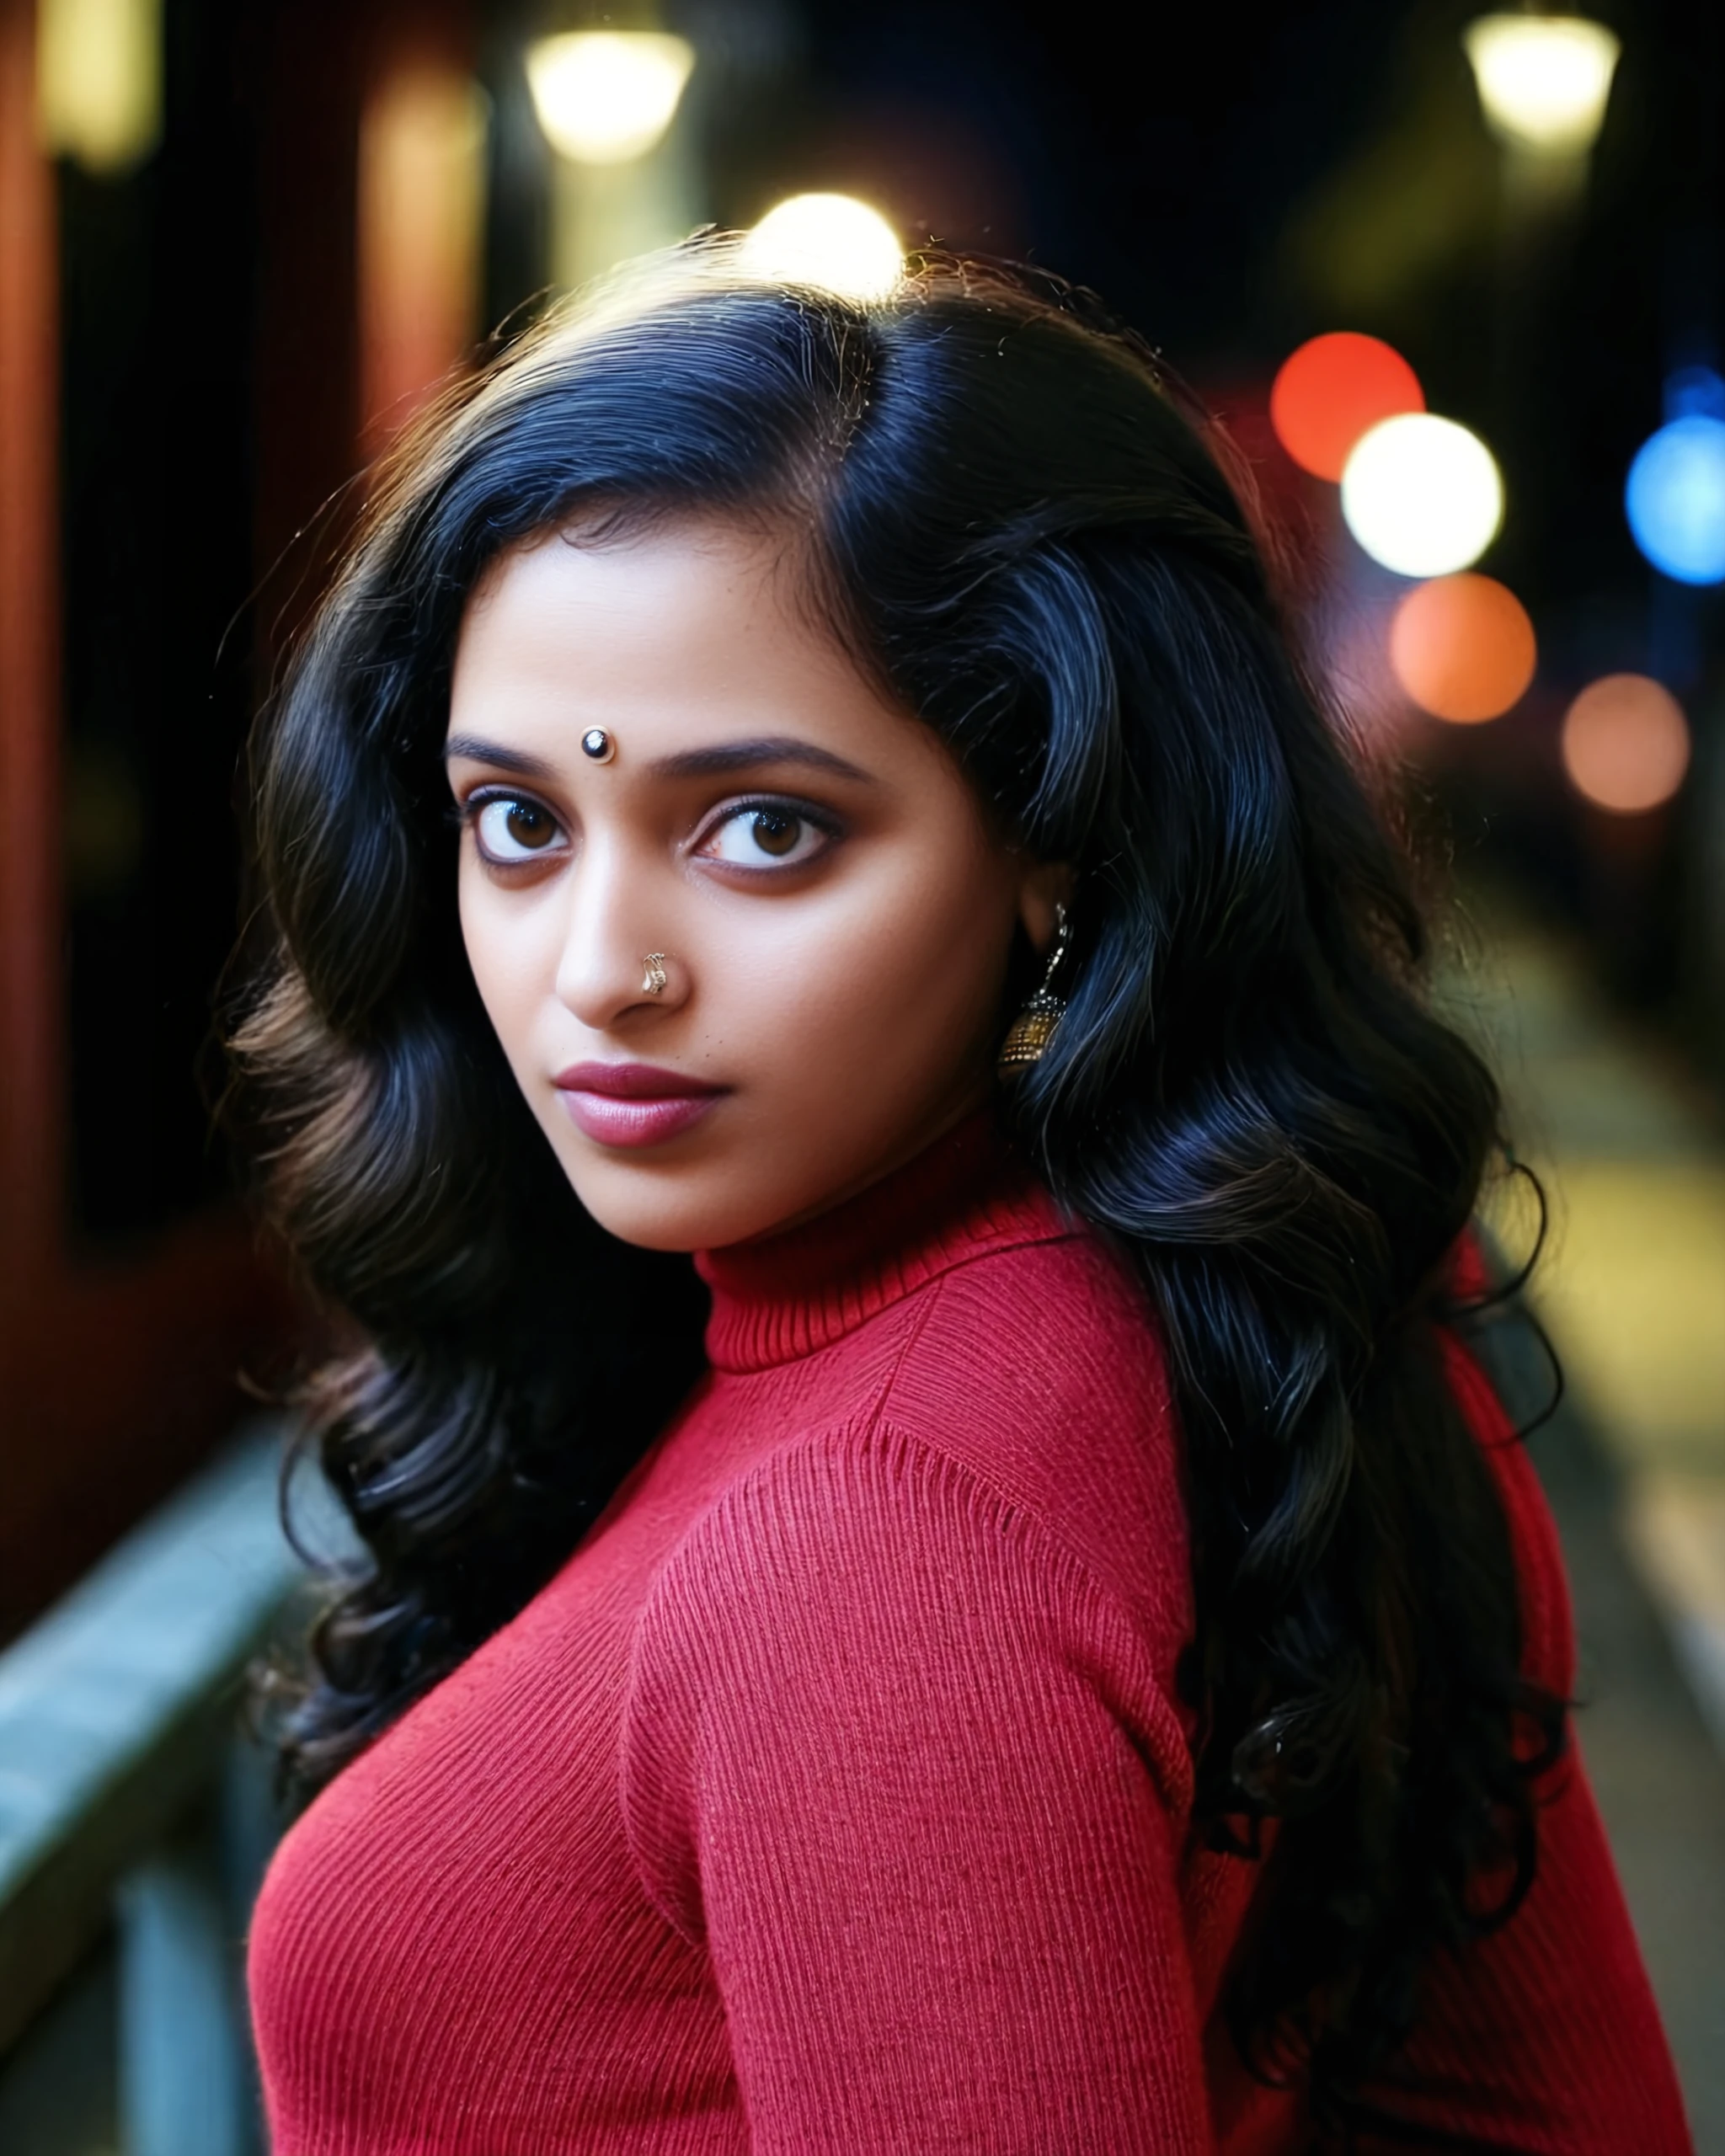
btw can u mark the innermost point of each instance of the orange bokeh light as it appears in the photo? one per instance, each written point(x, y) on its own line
point(1626, 744)
point(1334, 388)
point(1462, 648)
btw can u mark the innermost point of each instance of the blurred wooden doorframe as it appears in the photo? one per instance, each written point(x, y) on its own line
point(113, 1378)
point(31, 1092)
point(117, 1373)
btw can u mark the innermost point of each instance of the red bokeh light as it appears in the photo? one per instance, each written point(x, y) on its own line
point(1330, 391)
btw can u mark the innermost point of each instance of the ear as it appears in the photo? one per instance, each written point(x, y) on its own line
point(1045, 885)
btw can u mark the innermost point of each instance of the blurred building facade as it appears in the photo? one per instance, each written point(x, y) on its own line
point(241, 242)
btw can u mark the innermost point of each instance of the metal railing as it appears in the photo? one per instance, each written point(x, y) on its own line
point(135, 1822)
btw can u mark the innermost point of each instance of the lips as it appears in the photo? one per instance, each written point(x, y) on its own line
point(631, 1104)
point(631, 1081)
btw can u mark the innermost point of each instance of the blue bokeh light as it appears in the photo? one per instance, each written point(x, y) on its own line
point(1675, 498)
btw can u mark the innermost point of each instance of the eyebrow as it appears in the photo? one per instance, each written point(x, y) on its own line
point(477, 751)
point(740, 755)
point(688, 763)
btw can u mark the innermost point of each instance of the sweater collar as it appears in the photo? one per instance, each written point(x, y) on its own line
point(784, 1295)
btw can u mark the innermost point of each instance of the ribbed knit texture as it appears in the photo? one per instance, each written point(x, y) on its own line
point(834, 1795)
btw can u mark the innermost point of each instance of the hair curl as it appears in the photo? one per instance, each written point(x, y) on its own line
point(1018, 522)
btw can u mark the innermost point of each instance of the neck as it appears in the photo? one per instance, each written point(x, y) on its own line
point(809, 1282)
point(977, 1101)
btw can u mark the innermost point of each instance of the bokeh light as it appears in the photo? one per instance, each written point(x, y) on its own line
point(604, 97)
point(1626, 744)
point(1330, 392)
point(832, 242)
point(1422, 495)
point(1675, 499)
point(99, 80)
point(1462, 648)
point(1543, 79)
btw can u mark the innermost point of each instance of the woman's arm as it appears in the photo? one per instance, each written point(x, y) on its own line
point(898, 1758)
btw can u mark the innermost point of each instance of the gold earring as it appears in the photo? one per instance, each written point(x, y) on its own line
point(1034, 1027)
point(653, 974)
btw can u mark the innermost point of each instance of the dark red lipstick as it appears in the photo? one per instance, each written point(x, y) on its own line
point(634, 1103)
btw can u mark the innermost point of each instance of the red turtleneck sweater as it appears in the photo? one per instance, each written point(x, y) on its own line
point(834, 1795)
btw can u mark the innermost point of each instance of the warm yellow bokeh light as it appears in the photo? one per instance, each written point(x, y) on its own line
point(99, 81)
point(831, 241)
point(1626, 744)
point(1543, 79)
point(1422, 495)
point(605, 96)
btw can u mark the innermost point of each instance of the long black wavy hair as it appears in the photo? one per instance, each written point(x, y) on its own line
point(1010, 514)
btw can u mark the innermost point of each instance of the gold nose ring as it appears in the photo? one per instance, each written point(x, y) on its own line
point(653, 974)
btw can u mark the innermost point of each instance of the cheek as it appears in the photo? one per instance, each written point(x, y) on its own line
point(900, 983)
point(503, 955)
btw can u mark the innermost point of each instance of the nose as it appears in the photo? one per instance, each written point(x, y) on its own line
point(612, 925)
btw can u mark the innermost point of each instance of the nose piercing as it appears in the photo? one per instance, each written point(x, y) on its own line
point(598, 745)
point(653, 974)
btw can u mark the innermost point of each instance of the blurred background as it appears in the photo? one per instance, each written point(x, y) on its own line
point(1452, 284)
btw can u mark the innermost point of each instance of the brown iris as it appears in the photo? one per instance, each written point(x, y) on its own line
point(528, 824)
point(775, 832)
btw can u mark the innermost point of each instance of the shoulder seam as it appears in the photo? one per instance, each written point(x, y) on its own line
point(877, 1426)
point(1086, 1238)
point(913, 1333)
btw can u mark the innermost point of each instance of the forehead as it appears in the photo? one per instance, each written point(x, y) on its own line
point(681, 631)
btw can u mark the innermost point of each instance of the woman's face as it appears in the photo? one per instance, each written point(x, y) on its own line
point(835, 914)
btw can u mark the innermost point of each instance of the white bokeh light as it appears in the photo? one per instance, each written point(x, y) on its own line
point(831, 241)
point(604, 97)
point(1422, 495)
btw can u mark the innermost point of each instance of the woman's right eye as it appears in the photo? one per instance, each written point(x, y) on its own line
point(508, 828)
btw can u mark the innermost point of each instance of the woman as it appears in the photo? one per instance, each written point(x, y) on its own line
point(1065, 1653)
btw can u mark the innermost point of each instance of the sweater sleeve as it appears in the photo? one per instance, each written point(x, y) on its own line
point(1543, 2038)
point(900, 1763)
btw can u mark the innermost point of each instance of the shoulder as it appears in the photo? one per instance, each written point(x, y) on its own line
point(1014, 1464)
point(860, 1596)
point(1039, 1368)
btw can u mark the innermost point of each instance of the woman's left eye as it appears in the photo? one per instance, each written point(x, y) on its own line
point(765, 835)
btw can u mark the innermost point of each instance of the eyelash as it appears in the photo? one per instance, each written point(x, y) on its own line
point(468, 812)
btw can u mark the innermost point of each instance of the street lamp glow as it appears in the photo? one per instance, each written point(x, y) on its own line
point(831, 241)
point(604, 97)
point(1543, 79)
point(99, 81)
point(1422, 495)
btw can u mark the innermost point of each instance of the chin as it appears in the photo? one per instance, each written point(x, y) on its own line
point(667, 1207)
